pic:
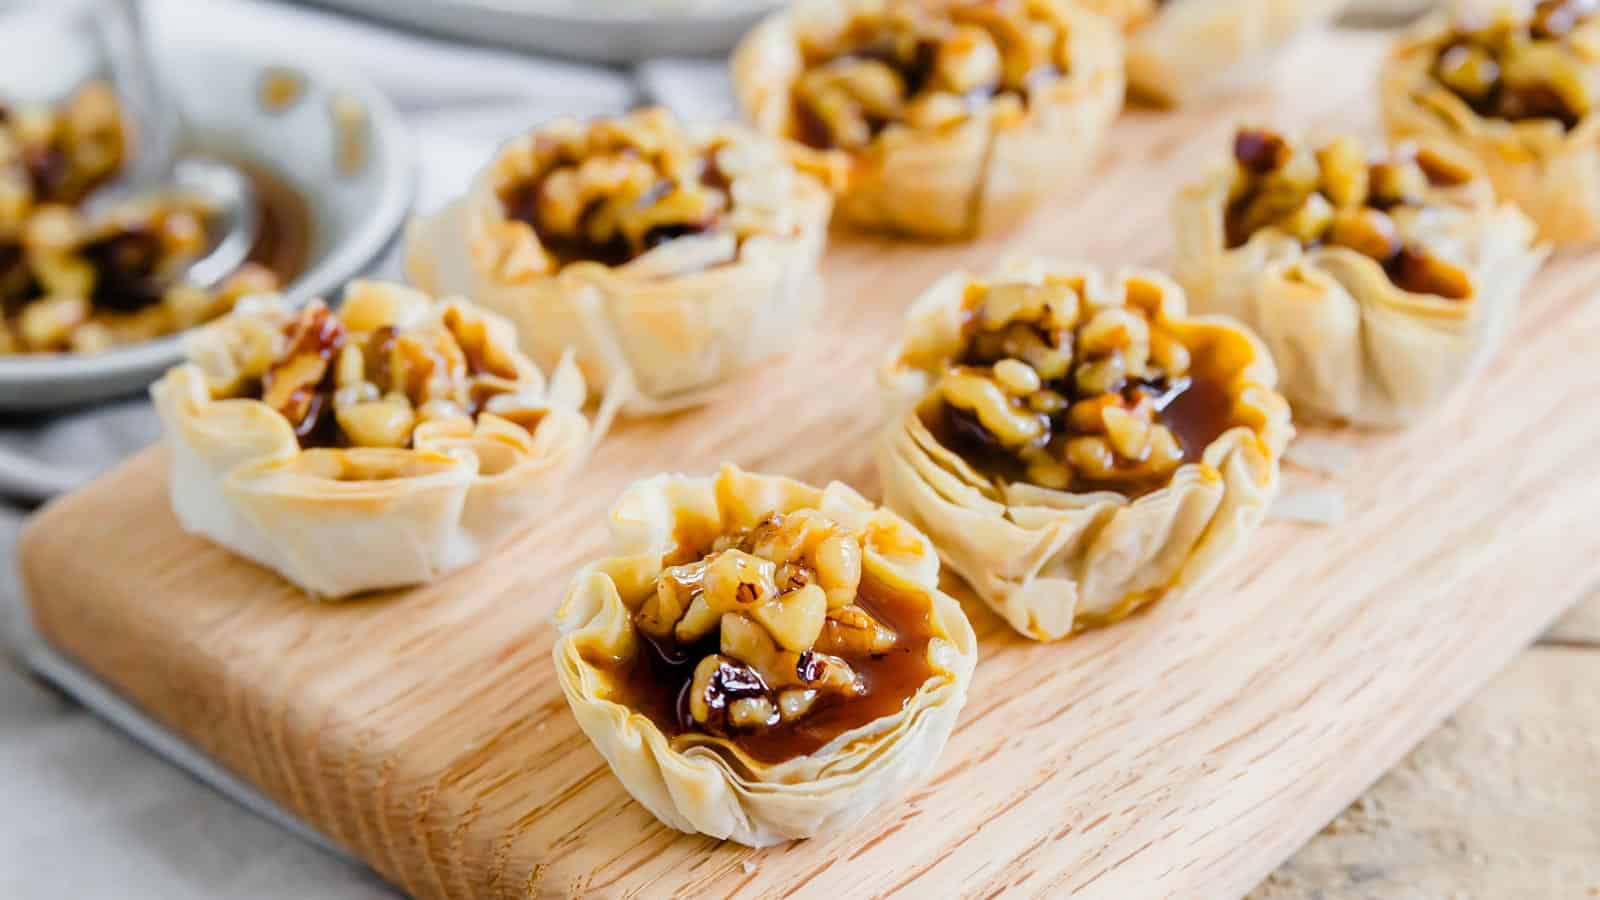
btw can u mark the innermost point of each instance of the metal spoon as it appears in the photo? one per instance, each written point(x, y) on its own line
point(158, 171)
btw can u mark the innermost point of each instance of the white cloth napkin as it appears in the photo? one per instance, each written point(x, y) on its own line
point(87, 813)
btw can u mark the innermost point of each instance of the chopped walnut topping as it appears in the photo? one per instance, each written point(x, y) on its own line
point(1072, 396)
point(1539, 66)
point(340, 386)
point(927, 66)
point(59, 154)
point(613, 189)
point(776, 612)
point(1339, 196)
point(67, 284)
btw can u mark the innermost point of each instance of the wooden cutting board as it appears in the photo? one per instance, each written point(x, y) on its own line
point(1183, 753)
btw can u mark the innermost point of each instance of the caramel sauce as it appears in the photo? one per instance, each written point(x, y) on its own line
point(283, 223)
point(1197, 409)
point(521, 204)
point(916, 73)
point(657, 682)
point(1197, 415)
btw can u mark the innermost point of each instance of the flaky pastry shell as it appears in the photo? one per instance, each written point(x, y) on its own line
point(961, 180)
point(1055, 562)
point(1351, 346)
point(1551, 173)
point(337, 521)
point(702, 783)
point(667, 326)
point(1189, 48)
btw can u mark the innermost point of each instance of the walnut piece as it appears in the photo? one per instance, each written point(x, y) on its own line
point(1073, 395)
point(926, 66)
point(780, 600)
point(1339, 195)
point(613, 189)
point(1539, 66)
point(68, 284)
point(341, 387)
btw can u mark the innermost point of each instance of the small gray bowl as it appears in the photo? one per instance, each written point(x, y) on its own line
point(617, 32)
point(328, 134)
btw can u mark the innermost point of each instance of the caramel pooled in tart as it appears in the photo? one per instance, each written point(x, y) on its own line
point(1073, 398)
point(68, 284)
point(378, 446)
point(1516, 86)
point(762, 660)
point(1379, 281)
point(1075, 445)
point(773, 641)
point(952, 116)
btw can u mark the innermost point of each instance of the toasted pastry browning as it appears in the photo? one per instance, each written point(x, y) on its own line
point(765, 661)
point(954, 115)
point(665, 256)
point(1379, 278)
point(411, 426)
point(1514, 84)
point(1077, 448)
point(69, 284)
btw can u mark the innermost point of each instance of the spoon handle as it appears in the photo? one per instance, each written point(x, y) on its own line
point(158, 119)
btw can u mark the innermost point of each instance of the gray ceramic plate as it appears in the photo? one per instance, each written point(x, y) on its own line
point(331, 136)
point(604, 31)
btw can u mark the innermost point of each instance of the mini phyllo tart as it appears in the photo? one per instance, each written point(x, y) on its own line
point(376, 447)
point(1182, 49)
point(956, 116)
point(1518, 88)
point(1078, 447)
point(762, 660)
point(665, 254)
point(1379, 280)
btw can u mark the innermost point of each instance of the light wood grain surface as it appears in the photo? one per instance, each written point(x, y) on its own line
point(1581, 626)
point(1185, 753)
point(1502, 802)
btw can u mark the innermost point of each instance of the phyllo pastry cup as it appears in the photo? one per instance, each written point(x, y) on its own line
point(666, 255)
point(1380, 282)
point(1517, 87)
point(1179, 50)
point(762, 660)
point(376, 447)
point(1077, 446)
point(956, 116)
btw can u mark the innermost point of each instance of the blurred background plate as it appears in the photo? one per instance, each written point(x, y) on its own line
point(327, 136)
point(604, 31)
point(1382, 13)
